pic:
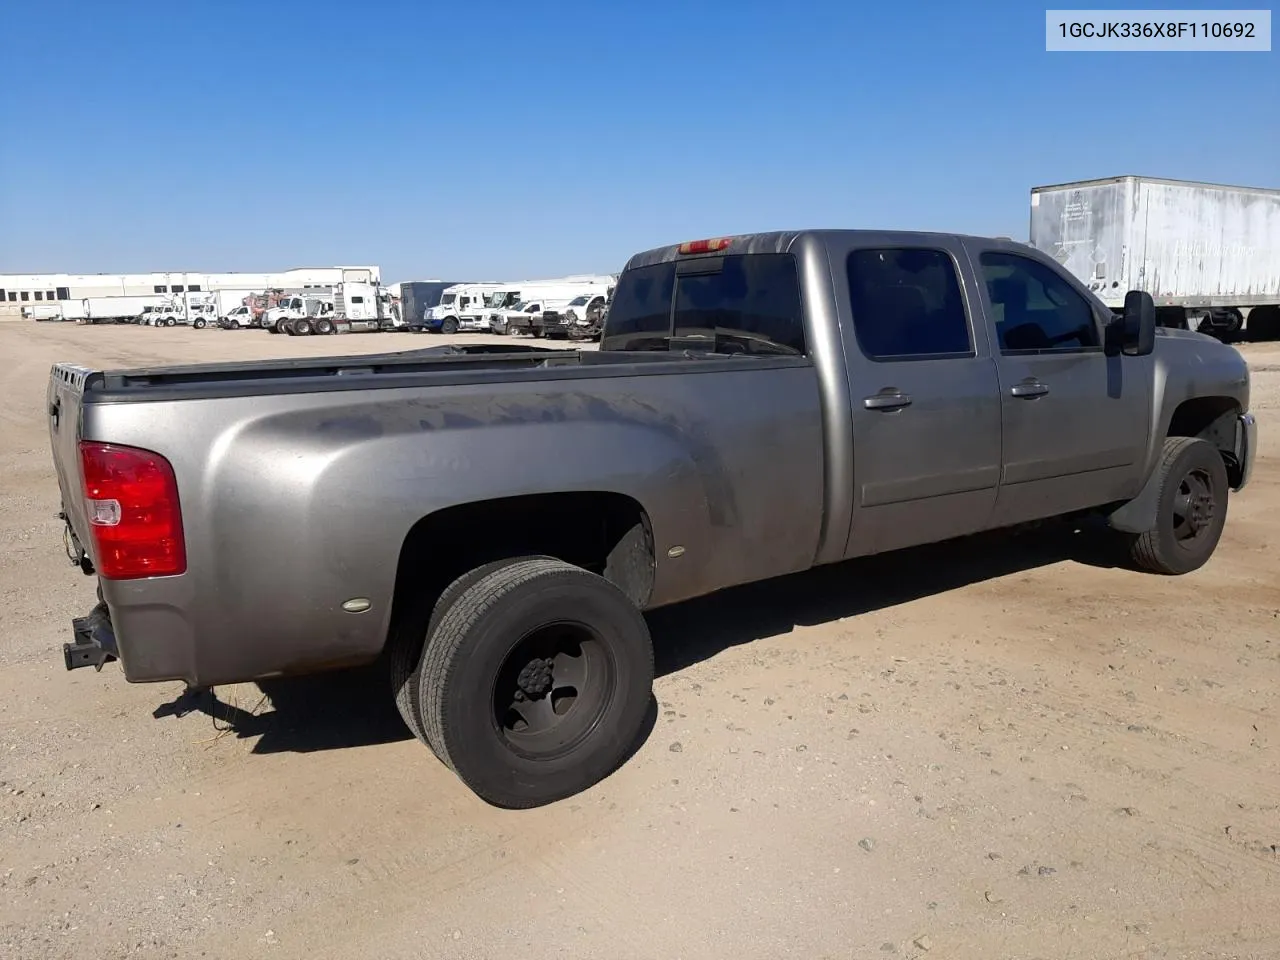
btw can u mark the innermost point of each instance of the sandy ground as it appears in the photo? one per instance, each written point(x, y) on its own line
point(1002, 748)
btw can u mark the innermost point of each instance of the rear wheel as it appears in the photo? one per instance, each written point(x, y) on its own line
point(406, 643)
point(1191, 508)
point(534, 681)
point(1263, 323)
point(324, 326)
point(302, 327)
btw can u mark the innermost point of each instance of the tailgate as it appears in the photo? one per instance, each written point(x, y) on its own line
point(66, 389)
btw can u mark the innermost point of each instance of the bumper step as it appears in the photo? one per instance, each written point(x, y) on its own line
point(94, 640)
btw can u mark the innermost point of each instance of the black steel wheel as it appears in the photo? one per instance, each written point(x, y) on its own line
point(1191, 508)
point(449, 326)
point(535, 681)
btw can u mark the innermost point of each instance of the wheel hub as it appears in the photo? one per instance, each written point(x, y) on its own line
point(535, 679)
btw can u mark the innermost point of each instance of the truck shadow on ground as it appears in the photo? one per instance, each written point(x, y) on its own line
point(690, 632)
point(353, 708)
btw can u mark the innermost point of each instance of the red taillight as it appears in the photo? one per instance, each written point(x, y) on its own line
point(704, 246)
point(131, 502)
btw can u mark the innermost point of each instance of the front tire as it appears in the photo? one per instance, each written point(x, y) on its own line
point(1191, 508)
point(535, 681)
point(449, 326)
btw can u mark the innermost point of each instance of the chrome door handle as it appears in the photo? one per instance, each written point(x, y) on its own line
point(1029, 389)
point(886, 401)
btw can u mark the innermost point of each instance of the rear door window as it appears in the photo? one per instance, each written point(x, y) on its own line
point(744, 303)
point(907, 304)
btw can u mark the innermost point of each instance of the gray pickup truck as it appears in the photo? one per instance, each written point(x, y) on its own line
point(490, 522)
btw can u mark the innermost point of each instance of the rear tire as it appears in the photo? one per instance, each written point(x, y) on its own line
point(1263, 323)
point(302, 327)
point(1191, 508)
point(535, 681)
point(324, 326)
point(406, 643)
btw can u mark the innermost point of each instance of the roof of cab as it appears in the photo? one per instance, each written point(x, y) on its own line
point(781, 241)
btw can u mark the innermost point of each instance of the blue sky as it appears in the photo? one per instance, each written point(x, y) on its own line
point(486, 139)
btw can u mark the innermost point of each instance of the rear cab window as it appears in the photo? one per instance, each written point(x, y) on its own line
point(733, 303)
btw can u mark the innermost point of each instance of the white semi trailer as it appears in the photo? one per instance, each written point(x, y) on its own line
point(111, 309)
point(1208, 254)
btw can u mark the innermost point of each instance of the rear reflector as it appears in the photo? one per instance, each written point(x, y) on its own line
point(704, 246)
point(131, 501)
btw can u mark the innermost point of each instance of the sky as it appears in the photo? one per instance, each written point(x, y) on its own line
point(482, 140)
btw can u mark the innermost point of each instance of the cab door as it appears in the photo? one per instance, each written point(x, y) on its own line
point(924, 392)
point(1075, 419)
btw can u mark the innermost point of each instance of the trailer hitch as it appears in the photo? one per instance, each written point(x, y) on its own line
point(94, 641)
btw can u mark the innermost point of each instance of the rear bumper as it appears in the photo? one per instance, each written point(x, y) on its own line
point(1246, 446)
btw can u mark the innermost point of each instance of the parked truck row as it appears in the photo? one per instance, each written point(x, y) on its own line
point(567, 307)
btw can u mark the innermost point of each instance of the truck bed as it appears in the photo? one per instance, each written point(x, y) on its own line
point(301, 480)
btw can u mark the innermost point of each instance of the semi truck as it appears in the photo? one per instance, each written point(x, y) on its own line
point(361, 308)
point(1209, 254)
point(306, 305)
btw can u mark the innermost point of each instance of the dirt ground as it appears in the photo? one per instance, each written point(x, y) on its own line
point(1001, 748)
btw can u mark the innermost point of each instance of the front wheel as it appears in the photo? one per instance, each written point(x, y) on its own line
point(199, 324)
point(534, 682)
point(1191, 508)
point(171, 321)
point(449, 326)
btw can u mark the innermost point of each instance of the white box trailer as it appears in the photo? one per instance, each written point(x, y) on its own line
point(1208, 254)
point(115, 309)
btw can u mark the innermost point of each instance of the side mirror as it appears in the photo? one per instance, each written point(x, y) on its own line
point(1138, 324)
